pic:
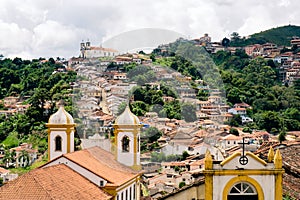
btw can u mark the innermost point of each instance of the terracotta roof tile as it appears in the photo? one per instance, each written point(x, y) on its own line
point(103, 164)
point(290, 155)
point(3, 171)
point(54, 182)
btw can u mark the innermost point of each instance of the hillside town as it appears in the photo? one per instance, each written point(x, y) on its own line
point(174, 162)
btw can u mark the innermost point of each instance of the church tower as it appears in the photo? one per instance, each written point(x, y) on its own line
point(60, 133)
point(126, 145)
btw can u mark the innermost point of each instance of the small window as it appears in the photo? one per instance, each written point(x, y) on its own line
point(228, 142)
point(101, 183)
point(57, 143)
point(125, 144)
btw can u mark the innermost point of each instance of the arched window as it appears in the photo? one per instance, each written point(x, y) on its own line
point(57, 143)
point(125, 144)
point(244, 191)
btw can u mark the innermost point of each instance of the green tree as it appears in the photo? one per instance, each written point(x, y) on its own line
point(151, 134)
point(139, 108)
point(281, 136)
point(225, 42)
point(189, 112)
point(185, 154)
point(121, 108)
point(202, 95)
point(268, 120)
point(236, 120)
point(234, 131)
point(181, 184)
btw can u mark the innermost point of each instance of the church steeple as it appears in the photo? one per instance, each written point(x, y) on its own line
point(127, 139)
point(60, 133)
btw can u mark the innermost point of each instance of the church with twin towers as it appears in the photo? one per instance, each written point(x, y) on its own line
point(94, 173)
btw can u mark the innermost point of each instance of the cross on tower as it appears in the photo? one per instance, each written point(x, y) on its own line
point(243, 159)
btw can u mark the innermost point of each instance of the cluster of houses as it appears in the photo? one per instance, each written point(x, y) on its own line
point(13, 105)
point(98, 92)
point(288, 61)
point(21, 156)
point(102, 91)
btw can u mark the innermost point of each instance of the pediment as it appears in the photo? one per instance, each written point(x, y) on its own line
point(233, 162)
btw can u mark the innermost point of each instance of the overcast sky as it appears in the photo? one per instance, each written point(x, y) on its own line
point(52, 28)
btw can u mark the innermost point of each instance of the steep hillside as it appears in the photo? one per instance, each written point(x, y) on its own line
point(280, 36)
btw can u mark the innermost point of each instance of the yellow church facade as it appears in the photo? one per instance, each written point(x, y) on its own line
point(244, 177)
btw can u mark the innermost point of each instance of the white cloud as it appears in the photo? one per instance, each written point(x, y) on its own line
point(14, 38)
point(56, 27)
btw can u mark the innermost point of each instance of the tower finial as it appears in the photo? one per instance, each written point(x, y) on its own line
point(208, 162)
point(278, 160)
point(271, 154)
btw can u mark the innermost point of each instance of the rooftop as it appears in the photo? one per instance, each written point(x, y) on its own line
point(54, 182)
point(103, 164)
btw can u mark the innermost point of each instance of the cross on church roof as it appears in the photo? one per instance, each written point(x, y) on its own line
point(243, 159)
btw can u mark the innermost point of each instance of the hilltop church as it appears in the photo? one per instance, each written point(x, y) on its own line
point(91, 173)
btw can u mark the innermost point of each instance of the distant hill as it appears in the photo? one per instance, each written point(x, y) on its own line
point(280, 36)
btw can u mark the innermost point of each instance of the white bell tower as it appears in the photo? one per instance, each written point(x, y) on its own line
point(126, 145)
point(60, 133)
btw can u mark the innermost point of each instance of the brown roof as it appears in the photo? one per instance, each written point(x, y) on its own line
point(173, 164)
point(290, 155)
point(3, 171)
point(231, 137)
point(103, 164)
point(54, 182)
point(197, 162)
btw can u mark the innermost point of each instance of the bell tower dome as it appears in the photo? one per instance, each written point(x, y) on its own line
point(61, 128)
point(127, 139)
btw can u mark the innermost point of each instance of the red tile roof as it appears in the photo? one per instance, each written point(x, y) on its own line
point(3, 171)
point(103, 164)
point(54, 182)
point(290, 156)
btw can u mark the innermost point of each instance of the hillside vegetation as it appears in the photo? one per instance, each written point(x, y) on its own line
point(35, 83)
point(280, 36)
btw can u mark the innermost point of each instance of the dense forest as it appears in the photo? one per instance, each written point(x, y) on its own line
point(280, 36)
point(36, 83)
